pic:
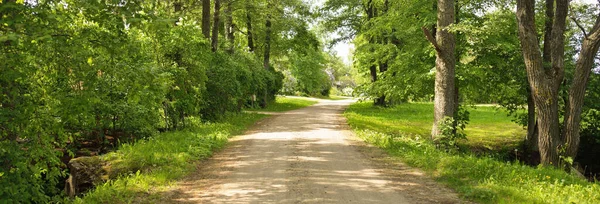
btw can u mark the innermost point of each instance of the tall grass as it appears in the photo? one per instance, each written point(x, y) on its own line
point(153, 164)
point(402, 133)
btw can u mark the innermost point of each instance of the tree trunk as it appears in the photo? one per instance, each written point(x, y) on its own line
point(249, 31)
point(583, 68)
point(383, 67)
point(445, 64)
point(267, 55)
point(531, 141)
point(206, 18)
point(546, 56)
point(230, 28)
point(215, 31)
point(544, 83)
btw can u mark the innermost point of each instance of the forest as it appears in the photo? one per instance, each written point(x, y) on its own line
point(83, 78)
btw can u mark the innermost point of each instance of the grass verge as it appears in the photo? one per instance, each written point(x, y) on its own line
point(283, 103)
point(163, 159)
point(400, 131)
point(489, 128)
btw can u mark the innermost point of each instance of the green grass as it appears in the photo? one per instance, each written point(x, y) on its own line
point(283, 104)
point(402, 130)
point(154, 164)
point(489, 128)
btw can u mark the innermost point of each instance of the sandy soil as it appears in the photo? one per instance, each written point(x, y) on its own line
point(306, 156)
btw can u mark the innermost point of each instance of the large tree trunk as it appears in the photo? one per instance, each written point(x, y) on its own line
point(267, 55)
point(531, 141)
point(215, 31)
point(249, 30)
point(544, 83)
point(583, 68)
point(445, 64)
point(206, 18)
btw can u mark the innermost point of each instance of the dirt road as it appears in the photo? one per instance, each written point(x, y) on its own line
point(306, 156)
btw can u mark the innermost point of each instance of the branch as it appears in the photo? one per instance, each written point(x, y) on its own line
point(580, 27)
point(431, 39)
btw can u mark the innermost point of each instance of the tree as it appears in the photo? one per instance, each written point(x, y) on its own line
point(206, 18)
point(545, 81)
point(444, 43)
point(269, 31)
point(215, 30)
point(230, 27)
point(249, 31)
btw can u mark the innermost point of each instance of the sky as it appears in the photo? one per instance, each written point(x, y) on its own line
point(344, 49)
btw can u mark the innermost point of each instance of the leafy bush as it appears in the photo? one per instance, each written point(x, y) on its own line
point(449, 135)
point(231, 83)
point(74, 73)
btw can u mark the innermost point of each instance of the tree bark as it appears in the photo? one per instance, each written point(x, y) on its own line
point(267, 55)
point(532, 132)
point(544, 83)
point(206, 18)
point(249, 31)
point(215, 31)
point(445, 64)
point(548, 33)
point(583, 68)
point(230, 27)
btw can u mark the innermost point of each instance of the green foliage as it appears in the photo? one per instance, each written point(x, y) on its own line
point(482, 179)
point(452, 130)
point(589, 146)
point(153, 164)
point(450, 133)
point(391, 41)
point(79, 73)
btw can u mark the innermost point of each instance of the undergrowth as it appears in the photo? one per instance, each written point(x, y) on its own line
point(157, 162)
point(482, 179)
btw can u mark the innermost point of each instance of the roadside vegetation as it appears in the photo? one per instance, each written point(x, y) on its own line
point(403, 131)
point(153, 165)
point(489, 130)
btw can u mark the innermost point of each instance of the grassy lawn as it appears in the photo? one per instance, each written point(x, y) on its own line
point(156, 163)
point(283, 103)
point(489, 128)
point(402, 132)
